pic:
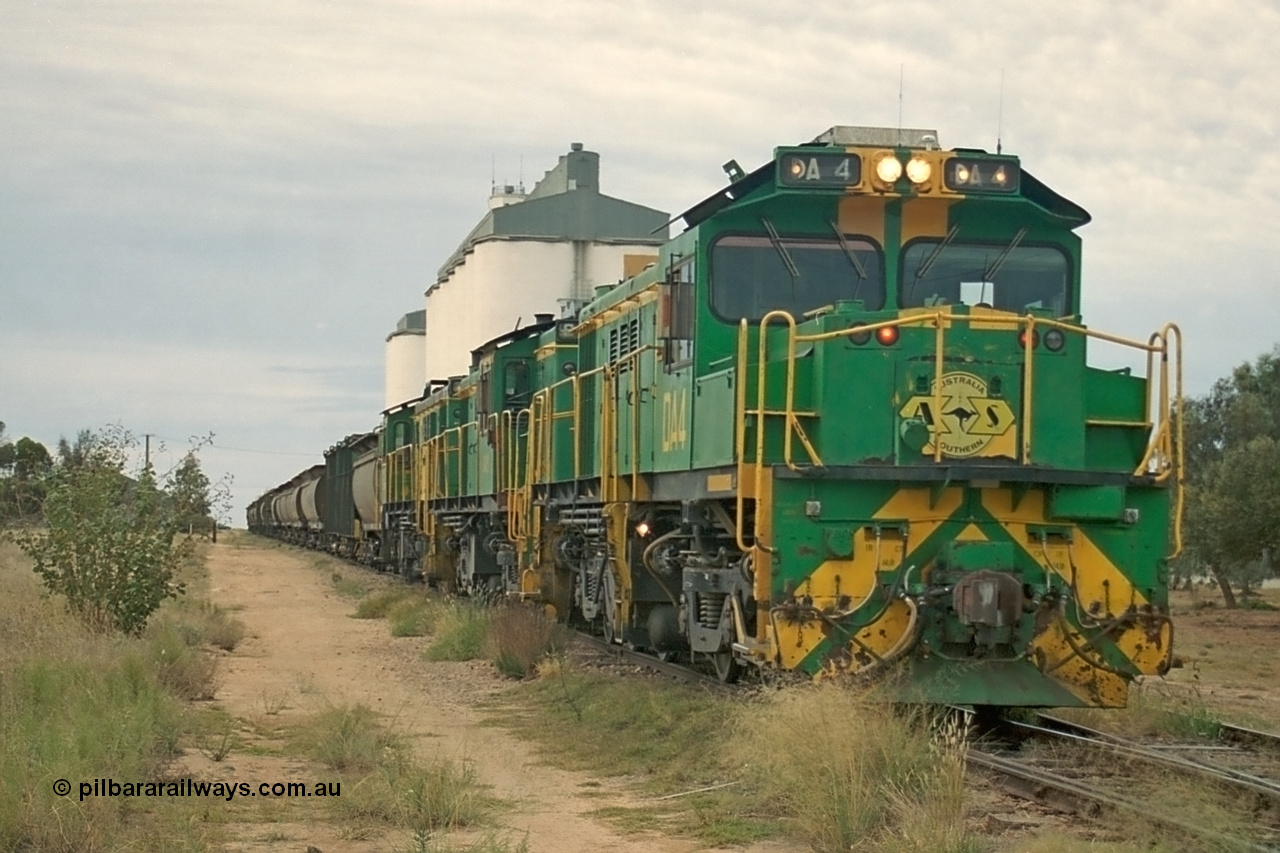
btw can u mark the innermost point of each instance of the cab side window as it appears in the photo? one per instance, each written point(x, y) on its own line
point(678, 314)
point(515, 384)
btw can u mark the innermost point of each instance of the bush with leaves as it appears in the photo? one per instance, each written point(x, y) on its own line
point(1232, 439)
point(109, 545)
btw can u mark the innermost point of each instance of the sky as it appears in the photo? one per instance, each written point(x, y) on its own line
point(212, 213)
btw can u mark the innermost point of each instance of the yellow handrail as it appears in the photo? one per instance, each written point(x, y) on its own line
point(1028, 349)
point(1162, 459)
point(740, 428)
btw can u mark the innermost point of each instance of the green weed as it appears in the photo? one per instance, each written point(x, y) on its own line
point(376, 604)
point(181, 666)
point(347, 587)
point(461, 627)
point(410, 617)
point(347, 738)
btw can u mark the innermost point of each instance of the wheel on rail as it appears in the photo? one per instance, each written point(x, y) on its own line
point(728, 670)
point(609, 607)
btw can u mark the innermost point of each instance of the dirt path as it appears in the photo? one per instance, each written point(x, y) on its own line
point(304, 651)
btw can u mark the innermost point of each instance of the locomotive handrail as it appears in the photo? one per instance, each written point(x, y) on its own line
point(740, 429)
point(792, 422)
point(1162, 459)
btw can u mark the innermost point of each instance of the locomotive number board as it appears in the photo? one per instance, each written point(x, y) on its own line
point(805, 169)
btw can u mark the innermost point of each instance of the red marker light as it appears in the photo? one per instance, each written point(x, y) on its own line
point(887, 335)
point(1022, 339)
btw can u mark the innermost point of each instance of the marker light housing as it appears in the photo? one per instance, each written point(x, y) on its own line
point(887, 335)
point(986, 174)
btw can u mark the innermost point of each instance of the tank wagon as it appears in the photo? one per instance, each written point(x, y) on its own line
point(843, 424)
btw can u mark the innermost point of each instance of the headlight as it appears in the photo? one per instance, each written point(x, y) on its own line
point(888, 169)
point(919, 170)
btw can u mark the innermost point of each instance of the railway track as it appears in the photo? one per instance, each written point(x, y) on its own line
point(1083, 789)
point(1249, 737)
point(1164, 757)
point(1064, 793)
point(648, 661)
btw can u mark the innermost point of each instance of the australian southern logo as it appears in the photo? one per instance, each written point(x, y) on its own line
point(969, 420)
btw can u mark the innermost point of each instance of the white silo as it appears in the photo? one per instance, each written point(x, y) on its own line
point(531, 254)
point(405, 368)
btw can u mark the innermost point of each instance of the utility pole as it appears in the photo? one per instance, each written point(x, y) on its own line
point(148, 449)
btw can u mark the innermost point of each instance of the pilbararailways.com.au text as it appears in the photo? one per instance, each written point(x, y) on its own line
point(195, 788)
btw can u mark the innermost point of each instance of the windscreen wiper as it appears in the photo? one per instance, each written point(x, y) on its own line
point(989, 273)
point(848, 252)
point(782, 250)
point(852, 256)
point(923, 269)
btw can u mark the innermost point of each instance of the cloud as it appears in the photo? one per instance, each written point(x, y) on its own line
point(224, 195)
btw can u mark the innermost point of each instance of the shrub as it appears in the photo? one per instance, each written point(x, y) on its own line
point(221, 631)
point(409, 617)
point(423, 797)
point(393, 788)
point(109, 548)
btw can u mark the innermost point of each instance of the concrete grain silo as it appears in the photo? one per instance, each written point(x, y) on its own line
point(405, 348)
point(535, 254)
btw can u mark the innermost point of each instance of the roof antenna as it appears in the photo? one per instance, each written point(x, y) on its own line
point(493, 174)
point(1000, 114)
point(899, 103)
point(522, 174)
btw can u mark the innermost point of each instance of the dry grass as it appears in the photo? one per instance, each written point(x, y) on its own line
point(520, 638)
point(347, 738)
point(383, 785)
point(857, 774)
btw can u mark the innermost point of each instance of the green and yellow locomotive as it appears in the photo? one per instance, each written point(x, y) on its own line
point(843, 424)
